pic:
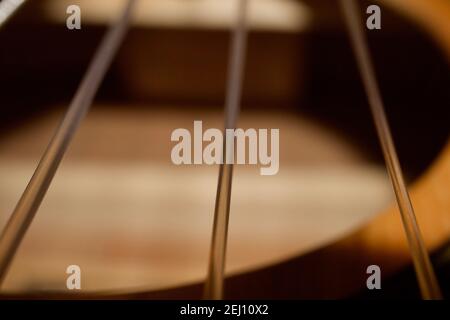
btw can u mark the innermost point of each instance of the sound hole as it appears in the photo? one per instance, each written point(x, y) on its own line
point(305, 83)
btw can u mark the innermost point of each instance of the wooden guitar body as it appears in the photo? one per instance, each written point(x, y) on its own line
point(308, 233)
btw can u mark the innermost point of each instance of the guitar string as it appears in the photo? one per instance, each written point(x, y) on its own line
point(214, 285)
point(428, 284)
point(36, 189)
point(8, 8)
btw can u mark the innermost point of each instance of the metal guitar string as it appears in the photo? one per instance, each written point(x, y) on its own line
point(8, 8)
point(215, 278)
point(428, 284)
point(36, 189)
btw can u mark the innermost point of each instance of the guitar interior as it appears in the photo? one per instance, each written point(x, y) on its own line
point(132, 220)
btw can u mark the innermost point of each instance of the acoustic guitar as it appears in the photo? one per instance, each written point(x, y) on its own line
point(141, 227)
